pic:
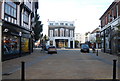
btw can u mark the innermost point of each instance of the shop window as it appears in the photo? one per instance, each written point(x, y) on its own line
point(24, 45)
point(11, 44)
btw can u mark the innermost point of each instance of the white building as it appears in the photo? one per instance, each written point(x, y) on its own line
point(80, 37)
point(61, 33)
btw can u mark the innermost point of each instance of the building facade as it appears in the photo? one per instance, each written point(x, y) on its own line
point(95, 38)
point(110, 22)
point(16, 26)
point(61, 33)
point(78, 37)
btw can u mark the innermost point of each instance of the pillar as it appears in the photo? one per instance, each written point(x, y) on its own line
point(73, 44)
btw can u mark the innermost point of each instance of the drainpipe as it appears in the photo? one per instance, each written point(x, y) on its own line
point(104, 42)
point(1, 48)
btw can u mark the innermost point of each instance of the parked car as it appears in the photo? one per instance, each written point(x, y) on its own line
point(52, 49)
point(84, 48)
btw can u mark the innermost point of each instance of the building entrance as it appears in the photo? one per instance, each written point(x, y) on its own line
point(60, 43)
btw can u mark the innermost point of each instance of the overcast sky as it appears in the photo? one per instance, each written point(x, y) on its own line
point(85, 13)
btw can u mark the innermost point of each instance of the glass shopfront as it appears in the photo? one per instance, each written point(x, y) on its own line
point(61, 43)
point(24, 45)
point(11, 44)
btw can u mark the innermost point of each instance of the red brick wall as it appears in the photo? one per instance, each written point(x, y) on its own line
point(119, 8)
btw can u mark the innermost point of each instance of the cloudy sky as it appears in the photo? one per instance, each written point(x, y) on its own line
point(85, 13)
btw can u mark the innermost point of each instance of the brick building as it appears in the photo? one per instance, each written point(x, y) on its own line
point(110, 21)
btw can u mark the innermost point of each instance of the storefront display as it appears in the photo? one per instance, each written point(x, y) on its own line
point(24, 45)
point(11, 44)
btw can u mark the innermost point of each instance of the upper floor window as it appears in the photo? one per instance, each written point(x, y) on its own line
point(71, 24)
point(67, 33)
point(10, 11)
point(66, 24)
point(62, 32)
point(56, 32)
point(26, 19)
point(51, 33)
point(71, 33)
point(51, 23)
point(56, 23)
point(61, 23)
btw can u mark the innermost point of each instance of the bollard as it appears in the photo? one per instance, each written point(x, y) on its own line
point(114, 70)
point(22, 71)
point(97, 53)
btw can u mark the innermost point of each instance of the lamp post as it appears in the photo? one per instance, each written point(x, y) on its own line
point(98, 39)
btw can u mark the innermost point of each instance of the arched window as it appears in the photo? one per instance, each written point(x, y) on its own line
point(51, 33)
point(56, 32)
point(62, 32)
point(67, 33)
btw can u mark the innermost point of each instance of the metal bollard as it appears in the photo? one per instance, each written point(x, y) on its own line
point(114, 70)
point(22, 71)
point(97, 53)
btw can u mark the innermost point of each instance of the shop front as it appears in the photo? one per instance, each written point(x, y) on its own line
point(60, 43)
point(15, 41)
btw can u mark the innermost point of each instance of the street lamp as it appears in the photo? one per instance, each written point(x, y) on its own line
point(98, 38)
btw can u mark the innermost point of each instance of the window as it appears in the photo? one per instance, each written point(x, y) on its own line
point(62, 32)
point(25, 45)
point(67, 33)
point(61, 23)
point(51, 23)
point(56, 32)
point(11, 44)
point(117, 10)
point(66, 24)
point(71, 33)
point(51, 33)
point(10, 12)
point(71, 24)
point(56, 23)
point(26, 19)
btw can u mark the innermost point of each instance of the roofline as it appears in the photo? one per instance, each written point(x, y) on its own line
point(108, 9)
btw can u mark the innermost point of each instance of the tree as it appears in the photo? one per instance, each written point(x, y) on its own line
point(38, 28)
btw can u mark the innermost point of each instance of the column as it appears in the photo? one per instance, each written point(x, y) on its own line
point(2, 12)
point(54, 44)
point(73, 44)
point(68, 43)
point(104, 46)
point(0, 48)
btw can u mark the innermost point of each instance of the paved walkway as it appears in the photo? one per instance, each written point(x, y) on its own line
point(14, 65)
